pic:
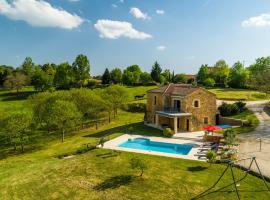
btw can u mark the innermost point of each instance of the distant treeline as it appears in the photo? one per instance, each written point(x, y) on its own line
point(65, 76)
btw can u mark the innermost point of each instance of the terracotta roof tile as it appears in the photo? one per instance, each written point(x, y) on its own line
point(176, 89)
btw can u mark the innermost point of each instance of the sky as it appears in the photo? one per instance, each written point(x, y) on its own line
point(180, 34)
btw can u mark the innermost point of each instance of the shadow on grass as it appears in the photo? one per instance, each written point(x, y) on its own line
point(136, 128)
point(196, 168)
point(109, 154)
point(11, 96)
point(114, 182)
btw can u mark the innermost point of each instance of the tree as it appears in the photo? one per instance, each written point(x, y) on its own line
point(65, 116)
point(260, 75)
point(180, 78)
point(4, 72)
point(117, 96)
point(28, 66)
point(167, 75)
point(16, 81)
point(116, 76)
point(203, 74)
point(137, 163)
point(220, 73)
point(131, 75)
point(238, 76)
point(17, 127)
point(146, 78)
point(156, 72)
point(41, 80)
point(106, 77)
point(64, 76)
point(81, 68)
point(209, 82)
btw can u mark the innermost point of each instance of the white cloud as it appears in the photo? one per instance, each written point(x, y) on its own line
point(73, 0)
point(114, 5)
point(39, 13)
point(137, 13)
point(257, 21)
point(161, 48)
point(116, 29)
point(160, 12)
point(121, 1)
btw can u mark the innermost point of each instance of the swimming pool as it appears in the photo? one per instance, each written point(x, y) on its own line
point(147, 144)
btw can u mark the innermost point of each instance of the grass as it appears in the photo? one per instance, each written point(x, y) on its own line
point(238, 94)
point(103, 174)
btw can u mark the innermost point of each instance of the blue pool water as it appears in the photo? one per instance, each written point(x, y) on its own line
point(224, 126)
point(146, 144)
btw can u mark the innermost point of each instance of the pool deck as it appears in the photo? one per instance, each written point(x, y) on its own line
point(194, 139)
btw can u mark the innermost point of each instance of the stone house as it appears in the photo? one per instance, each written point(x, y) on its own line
point(181, 107)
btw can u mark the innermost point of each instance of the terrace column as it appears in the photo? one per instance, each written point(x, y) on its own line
point(175, 125)
point(157, 120)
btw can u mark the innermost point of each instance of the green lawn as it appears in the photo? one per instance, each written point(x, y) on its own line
point(238, 94)
point(101, 174)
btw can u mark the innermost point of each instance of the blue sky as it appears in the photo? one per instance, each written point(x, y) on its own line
point(180, 34)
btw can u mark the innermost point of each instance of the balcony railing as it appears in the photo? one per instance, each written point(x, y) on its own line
point(171, 110)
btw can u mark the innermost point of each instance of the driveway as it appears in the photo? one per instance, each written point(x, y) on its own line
point(250, 142)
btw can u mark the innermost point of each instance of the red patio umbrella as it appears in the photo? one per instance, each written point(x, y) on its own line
point(211, 128)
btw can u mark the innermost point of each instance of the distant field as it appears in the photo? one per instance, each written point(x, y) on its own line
point(238, 94)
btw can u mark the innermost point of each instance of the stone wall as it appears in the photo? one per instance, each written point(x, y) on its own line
point(230, 121)
point(207, 109)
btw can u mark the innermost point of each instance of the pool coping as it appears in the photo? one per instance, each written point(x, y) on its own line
point(114, 144)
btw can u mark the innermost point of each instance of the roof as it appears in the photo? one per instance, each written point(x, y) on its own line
point(176, 89)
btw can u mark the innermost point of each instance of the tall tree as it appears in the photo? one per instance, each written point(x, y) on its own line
point(106, 77)
point(131, 75)
point(167, 75)
point(28, 67)
point(156, 72)
point(116, 76)
point(220, 73)
point(238, 77)
point(180, 78)
point(81, 67)
point(42, 80)
point(64, 76)
point(203, 74)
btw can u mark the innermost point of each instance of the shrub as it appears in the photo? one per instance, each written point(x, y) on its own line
point(137, 163)
point(209, 82)
point(241, 106)
point(211, 156)
point(230, 137)
point(136, 107)
point(228, 109)
point(167, 132)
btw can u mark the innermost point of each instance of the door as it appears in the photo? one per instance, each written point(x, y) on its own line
point(187, 124)
point(177, 105)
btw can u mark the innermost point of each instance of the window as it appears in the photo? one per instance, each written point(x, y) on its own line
point(205, 120)
point(155, 101)
point(196, 104)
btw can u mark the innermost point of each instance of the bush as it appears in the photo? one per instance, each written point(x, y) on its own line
point(211, 156)
point(230, 137)
point(209, 82)
point(136, 107)
point(228, 109)
point(167, 132)
point(241, 106)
